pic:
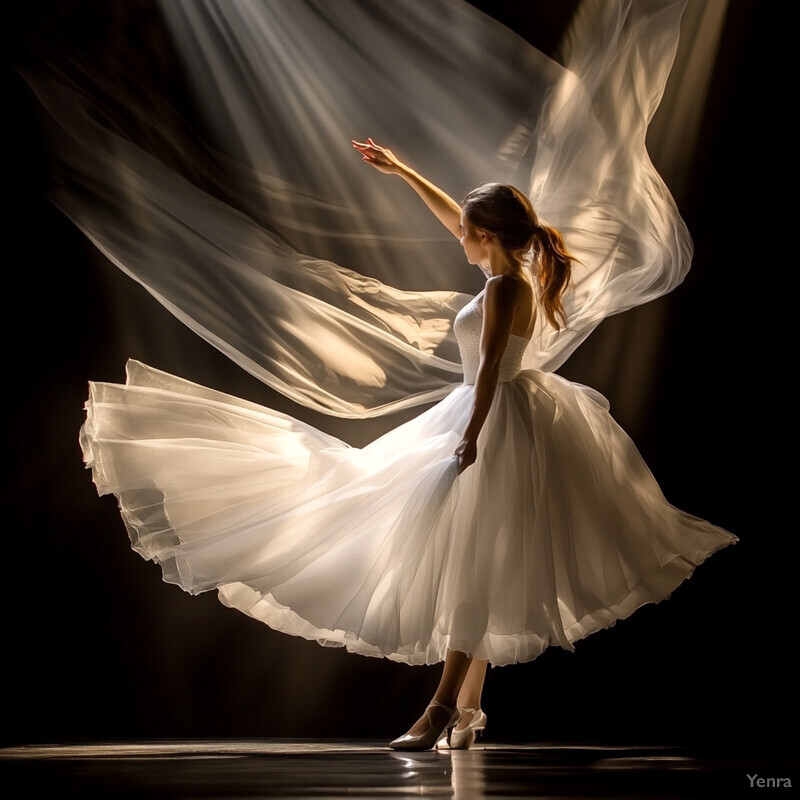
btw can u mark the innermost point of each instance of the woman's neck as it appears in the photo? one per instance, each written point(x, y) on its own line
point(502, 264)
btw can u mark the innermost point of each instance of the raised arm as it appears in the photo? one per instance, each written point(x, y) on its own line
point(500, 301)
point(446, 210)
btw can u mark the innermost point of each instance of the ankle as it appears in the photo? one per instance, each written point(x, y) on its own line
point(448, 703)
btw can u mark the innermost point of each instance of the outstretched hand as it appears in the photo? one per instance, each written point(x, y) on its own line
point(379, 157)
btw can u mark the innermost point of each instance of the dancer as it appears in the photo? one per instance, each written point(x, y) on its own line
point(528, 269)
point(498, 229)
point(513, 515)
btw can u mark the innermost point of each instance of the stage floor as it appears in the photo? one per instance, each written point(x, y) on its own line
point(366, 769)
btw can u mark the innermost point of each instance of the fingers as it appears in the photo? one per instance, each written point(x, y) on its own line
point(367, 151)
point(368, 145)
point(375, 155)
point(464, 460)
point(466, 455)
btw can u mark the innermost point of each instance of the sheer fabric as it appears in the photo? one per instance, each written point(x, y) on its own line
point(273, 241)
point(557, 531)
point(257, 225)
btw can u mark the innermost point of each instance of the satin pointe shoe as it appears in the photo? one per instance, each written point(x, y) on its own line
point(463, 738)
point(447, 717)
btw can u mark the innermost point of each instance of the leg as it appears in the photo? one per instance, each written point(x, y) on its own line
point(472, 687)
point(442, 710)
point(472, 720)
point(457, 667)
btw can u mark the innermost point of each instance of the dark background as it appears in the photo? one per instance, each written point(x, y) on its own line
point(97, 647)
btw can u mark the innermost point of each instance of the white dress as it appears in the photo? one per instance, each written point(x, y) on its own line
point(557, 531)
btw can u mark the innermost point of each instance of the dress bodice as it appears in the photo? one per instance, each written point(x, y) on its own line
point(467, 327)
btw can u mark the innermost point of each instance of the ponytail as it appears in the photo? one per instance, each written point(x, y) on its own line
point(552, 267)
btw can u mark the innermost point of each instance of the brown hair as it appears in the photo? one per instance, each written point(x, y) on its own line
point(509, 215)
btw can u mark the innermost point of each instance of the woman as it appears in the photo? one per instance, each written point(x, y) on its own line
point(512, 515)
point(528, 269)
point(497, 227)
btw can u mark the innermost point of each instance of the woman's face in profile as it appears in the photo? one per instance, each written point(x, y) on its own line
point(471, 242)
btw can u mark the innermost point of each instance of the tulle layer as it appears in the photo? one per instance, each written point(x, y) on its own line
point(557, 531)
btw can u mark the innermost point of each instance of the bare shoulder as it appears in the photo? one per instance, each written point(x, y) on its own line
point(507, 291)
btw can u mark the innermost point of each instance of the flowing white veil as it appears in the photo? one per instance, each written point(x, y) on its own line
point(255, 222)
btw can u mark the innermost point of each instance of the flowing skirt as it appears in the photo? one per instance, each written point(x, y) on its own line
point(557, 531)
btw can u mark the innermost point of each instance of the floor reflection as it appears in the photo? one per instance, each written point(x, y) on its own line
point(334, 769)
point(461, 772)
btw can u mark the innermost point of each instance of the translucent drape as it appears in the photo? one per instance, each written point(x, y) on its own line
point(257, 225)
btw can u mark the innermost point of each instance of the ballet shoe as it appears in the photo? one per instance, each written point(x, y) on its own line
point(428, 738)
point(456, 738)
